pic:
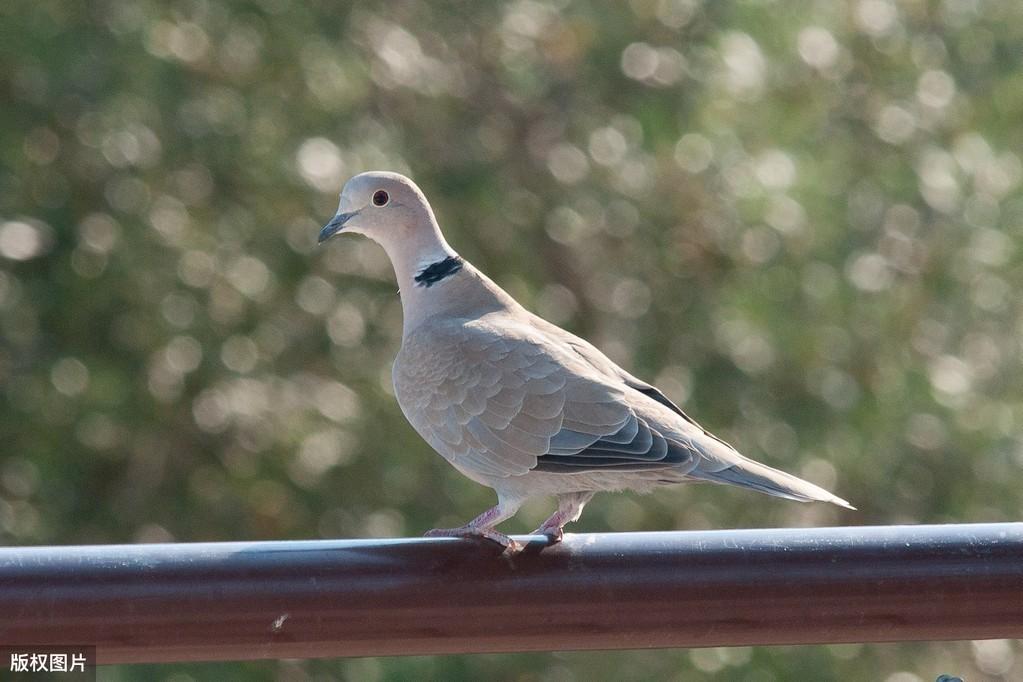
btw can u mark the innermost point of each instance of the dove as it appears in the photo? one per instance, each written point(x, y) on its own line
point(513, 401)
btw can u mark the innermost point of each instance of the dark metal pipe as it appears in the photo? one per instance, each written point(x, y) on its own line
point(245, 600)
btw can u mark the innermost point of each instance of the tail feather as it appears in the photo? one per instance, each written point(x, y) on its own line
point(749, 474)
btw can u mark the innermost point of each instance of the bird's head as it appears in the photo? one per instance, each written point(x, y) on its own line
point(386, 207)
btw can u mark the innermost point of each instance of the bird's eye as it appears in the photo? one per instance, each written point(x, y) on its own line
point(380, 198)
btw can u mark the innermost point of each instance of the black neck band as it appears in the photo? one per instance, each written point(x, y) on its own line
point(435, 272)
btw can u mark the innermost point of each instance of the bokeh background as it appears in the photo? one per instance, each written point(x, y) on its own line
point(801, 219)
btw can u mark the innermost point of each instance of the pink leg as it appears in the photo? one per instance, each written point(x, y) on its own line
point(483, 526)
point(570, 507)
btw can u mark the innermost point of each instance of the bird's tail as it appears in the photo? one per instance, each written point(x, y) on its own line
point(749, 474)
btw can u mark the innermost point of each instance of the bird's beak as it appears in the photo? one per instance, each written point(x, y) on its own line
point(335, 225)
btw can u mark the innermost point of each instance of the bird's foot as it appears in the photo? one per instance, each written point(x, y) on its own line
point(555, 534)
point(476, 533)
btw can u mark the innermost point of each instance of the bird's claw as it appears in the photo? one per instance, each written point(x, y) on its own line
point(554, 534)
point(471, 533)
point(443, 533)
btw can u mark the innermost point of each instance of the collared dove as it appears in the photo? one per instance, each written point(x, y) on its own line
point(517, 403)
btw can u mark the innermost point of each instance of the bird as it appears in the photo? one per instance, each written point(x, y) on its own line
point(517, 403)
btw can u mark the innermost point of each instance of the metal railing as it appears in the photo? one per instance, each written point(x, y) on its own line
point(246, 600)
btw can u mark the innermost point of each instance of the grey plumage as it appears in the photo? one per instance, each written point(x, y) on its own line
point(517, 403)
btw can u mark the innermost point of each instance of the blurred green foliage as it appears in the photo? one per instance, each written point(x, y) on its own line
point(801, 219)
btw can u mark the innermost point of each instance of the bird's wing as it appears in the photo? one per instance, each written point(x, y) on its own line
point(711, 458)
point(499, 397)
point(601, 363)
